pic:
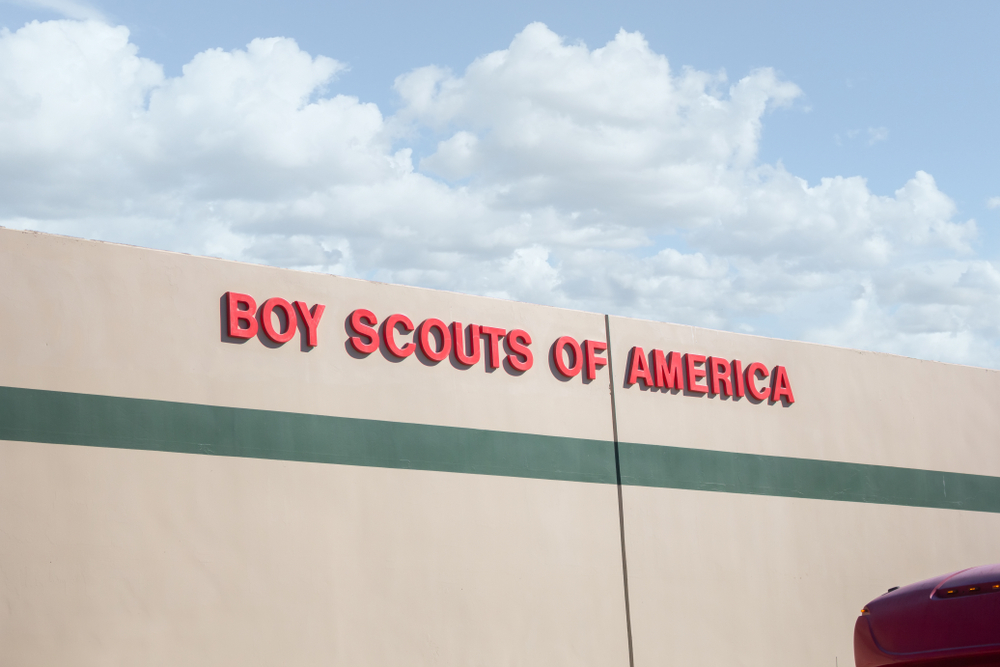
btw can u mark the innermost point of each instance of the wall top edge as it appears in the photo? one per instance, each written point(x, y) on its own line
point(49, 236)
point(802, 343)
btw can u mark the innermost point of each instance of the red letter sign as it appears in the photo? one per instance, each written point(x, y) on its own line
point(459, 343)
point(311, 320)
point(267, 320)
point(667, 372)
point(245, 315)
point(780, 387)
point(558, 356)
point(719, 376)
point(753, 370)
point(389, 335)
point(424, 339)
point(695, 374)
point(363, 322)
point(495, 335)
point(518, 342)
point(638, 369)
point(738, 377)
point(590, 350)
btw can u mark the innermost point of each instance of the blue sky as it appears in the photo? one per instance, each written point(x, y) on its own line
point(927, 72)
point(884, 90)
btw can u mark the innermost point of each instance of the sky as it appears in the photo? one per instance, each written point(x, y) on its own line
point(826, 174)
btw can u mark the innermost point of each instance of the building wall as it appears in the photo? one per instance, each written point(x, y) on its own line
point(776, 573)
point(172, 496)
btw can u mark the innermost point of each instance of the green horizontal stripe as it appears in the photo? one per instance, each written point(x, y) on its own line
point(33, 415)
point(704, 470)
point(127, 423)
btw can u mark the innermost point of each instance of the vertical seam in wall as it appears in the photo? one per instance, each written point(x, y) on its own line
point(621, 504)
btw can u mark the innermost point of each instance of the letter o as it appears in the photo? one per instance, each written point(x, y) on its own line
point(557, 356)
point(424, 339)
point(267, 322)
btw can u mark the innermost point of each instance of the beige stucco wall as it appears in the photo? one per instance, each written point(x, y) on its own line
point(124, 557)
point(732, 579)
point(118, 556)
point(114, 557)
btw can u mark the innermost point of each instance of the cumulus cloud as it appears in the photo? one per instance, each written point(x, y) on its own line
point(602, 179)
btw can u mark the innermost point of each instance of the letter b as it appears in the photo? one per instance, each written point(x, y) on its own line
point(239, 315)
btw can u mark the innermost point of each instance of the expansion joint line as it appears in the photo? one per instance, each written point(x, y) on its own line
point(618, 477)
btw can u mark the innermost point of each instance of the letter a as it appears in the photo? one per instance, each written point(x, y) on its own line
point(781, 387)
point(638, 368)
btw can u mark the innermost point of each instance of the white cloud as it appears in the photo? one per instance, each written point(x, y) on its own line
point(599, 179)
point(877, 134)
point(993, 202)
